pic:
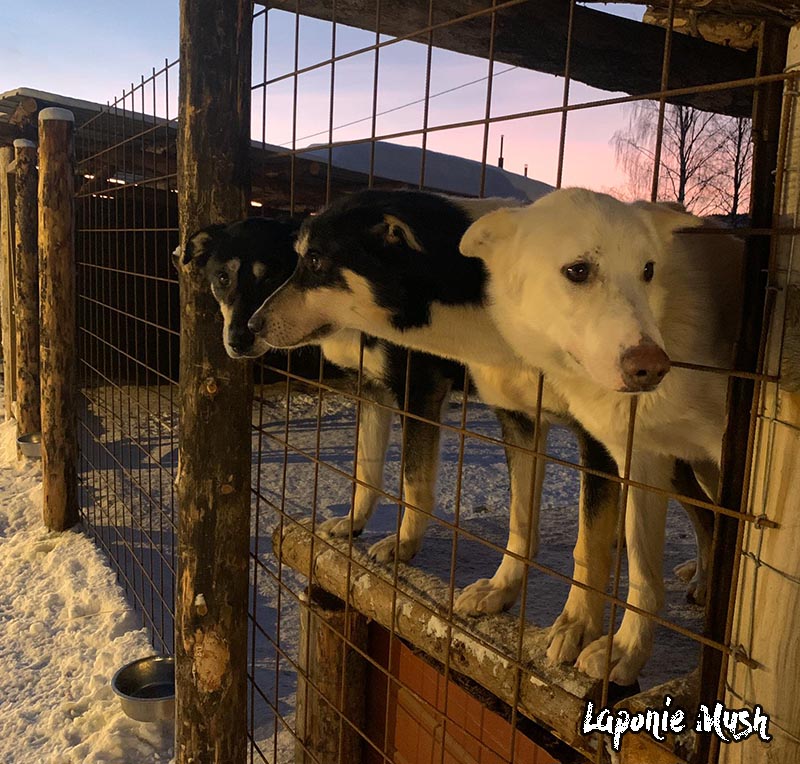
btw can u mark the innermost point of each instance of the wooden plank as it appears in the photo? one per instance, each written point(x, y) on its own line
point(767, 617)
point(27, 288)
point(213, 482)
point(553, 696)
point(608, 52)
point(58, 328)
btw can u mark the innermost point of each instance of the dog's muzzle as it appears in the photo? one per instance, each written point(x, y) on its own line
point(643, 367)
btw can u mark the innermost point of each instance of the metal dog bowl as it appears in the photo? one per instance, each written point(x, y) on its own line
point(30, 444)
point(146, 688)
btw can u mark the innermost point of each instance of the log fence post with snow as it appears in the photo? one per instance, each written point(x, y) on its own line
point(6, 325)
point(331, 680)
point(216, 392)
point(58, 341)
point(26, 288)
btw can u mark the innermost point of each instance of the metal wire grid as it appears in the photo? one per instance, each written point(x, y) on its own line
point(127, 226)
point(276, 439)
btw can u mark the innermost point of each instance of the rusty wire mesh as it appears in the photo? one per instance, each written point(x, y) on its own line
point(309, 78)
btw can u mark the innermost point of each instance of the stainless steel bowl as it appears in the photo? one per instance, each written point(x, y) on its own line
point(146, 688)
point(30, 444)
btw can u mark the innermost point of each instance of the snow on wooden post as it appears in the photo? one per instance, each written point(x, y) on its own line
point(27, 288)
point(58, 327)
point(331, 681)
point(213, 482)
point(6, 224)
point(767, 618)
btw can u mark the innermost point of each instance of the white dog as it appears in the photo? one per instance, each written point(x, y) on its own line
point(602, 296)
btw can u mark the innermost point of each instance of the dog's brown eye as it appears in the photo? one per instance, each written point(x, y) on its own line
point(577, 272)
point(314, 262)
point(649, 271)
point(223, 279)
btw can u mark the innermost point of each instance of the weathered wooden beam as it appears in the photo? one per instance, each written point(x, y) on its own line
point(733, 31)
point(331, 681)
point(608, 52)
point(213, 482)
point(6, 325)
point(778, 11)
point(767, 618)
point(553, 696)
point(57, 291)
point(27, 288)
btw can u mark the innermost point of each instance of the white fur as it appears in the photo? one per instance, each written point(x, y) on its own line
point(575, 332)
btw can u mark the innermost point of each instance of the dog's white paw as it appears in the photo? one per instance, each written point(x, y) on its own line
point(569, 634)
point(388, 549)
point(686, 570)
point(339, 527)
point(692, 573)
point(626, 660)
point(485, 596)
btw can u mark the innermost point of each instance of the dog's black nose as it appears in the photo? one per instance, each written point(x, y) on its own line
point(240, 341)
point(643, 366)
point(256, 324)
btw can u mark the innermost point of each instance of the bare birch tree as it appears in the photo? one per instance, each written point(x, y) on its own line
point(704, 161)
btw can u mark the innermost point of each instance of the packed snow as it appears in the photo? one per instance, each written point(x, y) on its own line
point(65, 628)
point(65, 625)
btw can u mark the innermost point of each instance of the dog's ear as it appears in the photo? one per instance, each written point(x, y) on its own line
point(489, 230)
point(667, 217)
point(199, 246)
point(393, 230)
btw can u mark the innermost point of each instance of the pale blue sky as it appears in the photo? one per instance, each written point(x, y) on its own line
point(93, 50)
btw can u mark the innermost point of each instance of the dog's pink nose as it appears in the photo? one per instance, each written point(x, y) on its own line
point(643, 366)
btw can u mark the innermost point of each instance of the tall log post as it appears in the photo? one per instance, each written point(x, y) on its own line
point(216, 391)
point(27, 288)
point(767, 618)
point(331, 681)
point(6, 224)
point(58, 328)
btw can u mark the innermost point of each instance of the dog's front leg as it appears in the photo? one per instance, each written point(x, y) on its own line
point(644, 532)
point(420, 465)
point(581, 620)
point(375, 424)
point(526, 473)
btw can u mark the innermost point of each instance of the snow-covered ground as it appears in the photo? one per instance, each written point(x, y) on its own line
point(65, 628)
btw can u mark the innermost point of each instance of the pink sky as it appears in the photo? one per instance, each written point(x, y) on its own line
point(101, 70)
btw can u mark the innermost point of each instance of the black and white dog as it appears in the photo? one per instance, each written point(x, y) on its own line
point(388, 263)
point(245, 262)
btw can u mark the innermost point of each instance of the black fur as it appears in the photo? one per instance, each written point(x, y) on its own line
point(600, 492)
point(352, 234)
point(255, 240)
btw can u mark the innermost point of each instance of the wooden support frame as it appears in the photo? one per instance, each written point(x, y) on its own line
point(331, 681)
point(767, 616)
point(26, 288)
point(552, 696)
point(6, 325)
point(57, 291)
point(213, 482)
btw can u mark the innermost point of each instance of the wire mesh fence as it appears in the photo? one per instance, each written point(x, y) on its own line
point(382, 473)
point(128, 341)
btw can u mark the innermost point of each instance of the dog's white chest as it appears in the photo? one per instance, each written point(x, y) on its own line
point(344, 350)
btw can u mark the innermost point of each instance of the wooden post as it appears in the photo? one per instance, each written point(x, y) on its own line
point(767, 617)
point(58, 328)
point(27, 289)
point(331, 681)
point(213, 483)
point(6, 224)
